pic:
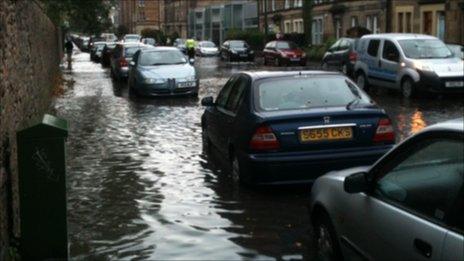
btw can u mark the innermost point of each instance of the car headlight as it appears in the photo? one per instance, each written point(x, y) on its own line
point(423, 67)
point(191, 78)
point(153, 80)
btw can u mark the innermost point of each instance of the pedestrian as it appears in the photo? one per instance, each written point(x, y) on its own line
point(190, 45)
point(69, 50)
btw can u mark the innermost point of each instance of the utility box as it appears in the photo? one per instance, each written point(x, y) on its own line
point(42, 190)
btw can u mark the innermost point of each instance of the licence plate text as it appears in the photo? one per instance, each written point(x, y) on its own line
point(335, 133)
point(455, 84)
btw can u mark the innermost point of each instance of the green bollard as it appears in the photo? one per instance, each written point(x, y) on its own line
point(42, 190)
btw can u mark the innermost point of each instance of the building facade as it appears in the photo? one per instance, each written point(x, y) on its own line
point(331, 19)
point(211, 20)
point(137, 15)
point(176, 16)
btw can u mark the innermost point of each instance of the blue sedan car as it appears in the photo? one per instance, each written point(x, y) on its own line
point(292, 127)
point(162, 71)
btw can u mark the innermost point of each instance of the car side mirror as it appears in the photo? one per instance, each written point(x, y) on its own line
point(208, 101)
point(356, 183)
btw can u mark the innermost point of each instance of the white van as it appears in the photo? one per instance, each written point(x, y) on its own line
point(409, 63)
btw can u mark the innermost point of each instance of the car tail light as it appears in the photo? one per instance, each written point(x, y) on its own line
point(353, 56)
point(264, 139)
point(384, 132)
point(123, 63)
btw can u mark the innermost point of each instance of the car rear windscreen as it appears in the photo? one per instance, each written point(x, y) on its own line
point(130, 51)
point(291, 93)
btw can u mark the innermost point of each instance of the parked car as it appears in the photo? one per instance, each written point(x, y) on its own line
point(132, 38)
point(457, 50)
point(179, 43)
point(236, 50)
point(341, 56)
point(162, 71)
point(109, 37)
point(106, 53)
point(206, 48)
point(93, 40)
point(122, 55)
point(283, 53)
point(149, 41)
point(407, 206)
point(291, 127)
point(96, 51)
point(408, 62)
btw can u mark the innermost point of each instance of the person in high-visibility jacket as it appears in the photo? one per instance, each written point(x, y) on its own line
point(190, 46)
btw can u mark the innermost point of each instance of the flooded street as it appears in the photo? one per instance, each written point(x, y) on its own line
point(140, 187)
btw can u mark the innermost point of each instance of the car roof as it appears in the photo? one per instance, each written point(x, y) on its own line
point(131, 44)
point(456, 125)
point(100, 42)
point(275, 74)
point(398, 36)
point(163, 48)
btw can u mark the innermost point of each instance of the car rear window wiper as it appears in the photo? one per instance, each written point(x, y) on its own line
point(353, 102)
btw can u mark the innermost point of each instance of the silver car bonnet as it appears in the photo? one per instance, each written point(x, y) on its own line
point(177, 71)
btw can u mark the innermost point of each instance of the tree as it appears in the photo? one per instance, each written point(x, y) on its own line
point(307, 18)
point(87, 16)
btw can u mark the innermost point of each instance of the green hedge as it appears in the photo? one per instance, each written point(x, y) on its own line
point(316, 52)
point(254, 38)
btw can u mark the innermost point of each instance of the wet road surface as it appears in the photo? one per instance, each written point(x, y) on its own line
point(139, 186)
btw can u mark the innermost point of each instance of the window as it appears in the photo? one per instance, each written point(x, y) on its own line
point(428, 181)
point(317, 31)
point(344, 45)
point(369, 23)
point(287, 26)
point(287, 4)
point(354, 21)
point(298, 26)
point(375, 25)
point(270, 45)
point(298, 3)
point(303, 93)
point(236, 94)
point(408, 22)
point(338, 28)
point(373, 48)
point(400, 23)
point(441, 25)
point(427, 23)
point(335, 46)
point(390, 52)
point(221, 100)
point(273, 5)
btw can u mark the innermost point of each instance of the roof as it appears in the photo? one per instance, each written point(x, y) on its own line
point(451, 125)
point(398, 36)
point(275, 74)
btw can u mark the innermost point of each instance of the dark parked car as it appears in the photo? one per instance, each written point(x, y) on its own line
point(96, 51)
point(106, 54)
point(292, 127)
point(341, 56)
point(407, 206)
point(162, 71)
point(236, 50)
point(122, 55)
point(283, 53)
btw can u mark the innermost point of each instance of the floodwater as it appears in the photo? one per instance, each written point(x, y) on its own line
point(140, 187)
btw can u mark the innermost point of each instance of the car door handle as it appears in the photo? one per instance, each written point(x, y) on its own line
point(423, 247)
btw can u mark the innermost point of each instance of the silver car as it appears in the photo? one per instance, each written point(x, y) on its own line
point(162, 71)
point(410, 63)
point(408, 206)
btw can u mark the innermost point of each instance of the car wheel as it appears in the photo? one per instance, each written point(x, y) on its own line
point(325, 66)
point(407, 88)
point(361, 81)
point(325, 240)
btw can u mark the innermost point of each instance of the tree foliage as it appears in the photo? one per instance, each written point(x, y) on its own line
point(121, 31)
point(158, 35)
point(87, 16)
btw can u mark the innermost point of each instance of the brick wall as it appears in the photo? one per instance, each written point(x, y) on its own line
point(29, 67)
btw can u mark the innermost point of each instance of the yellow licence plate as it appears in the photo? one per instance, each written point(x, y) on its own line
point(336, 133)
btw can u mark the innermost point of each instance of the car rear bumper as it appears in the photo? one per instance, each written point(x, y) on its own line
point(305, 167)
point(431, 82)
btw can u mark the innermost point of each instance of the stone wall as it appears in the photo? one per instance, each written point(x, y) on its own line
point(30, 52)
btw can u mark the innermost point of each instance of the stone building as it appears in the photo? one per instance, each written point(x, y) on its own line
point(139, 14)
point(284, 16)
point(176, 16)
